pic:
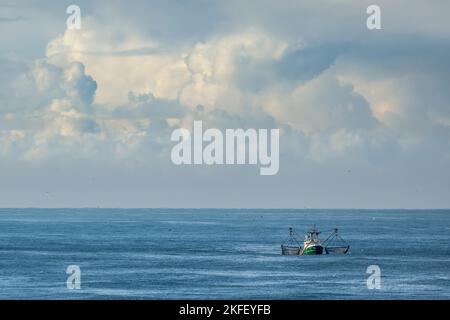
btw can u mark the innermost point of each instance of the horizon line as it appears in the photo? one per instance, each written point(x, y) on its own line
point(226, 208)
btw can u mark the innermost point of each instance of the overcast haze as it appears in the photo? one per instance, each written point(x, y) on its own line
point(86, 115)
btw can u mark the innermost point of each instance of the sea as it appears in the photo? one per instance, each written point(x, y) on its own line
point(221, 254)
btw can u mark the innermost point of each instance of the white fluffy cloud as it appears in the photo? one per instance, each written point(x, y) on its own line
point(101, 89)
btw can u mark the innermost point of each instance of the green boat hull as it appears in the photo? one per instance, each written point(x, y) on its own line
point(313, 250)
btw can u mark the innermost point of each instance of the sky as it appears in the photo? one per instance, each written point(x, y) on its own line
point(86, 114)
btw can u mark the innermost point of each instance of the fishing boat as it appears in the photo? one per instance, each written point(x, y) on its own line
point(312, 244)
point(291, 246)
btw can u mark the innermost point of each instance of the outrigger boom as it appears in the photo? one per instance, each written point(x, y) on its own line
point(331, 247)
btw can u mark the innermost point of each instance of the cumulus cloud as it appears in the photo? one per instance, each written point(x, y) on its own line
point(95, 82)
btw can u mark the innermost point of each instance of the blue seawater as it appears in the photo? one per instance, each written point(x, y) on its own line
point(220, 254)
